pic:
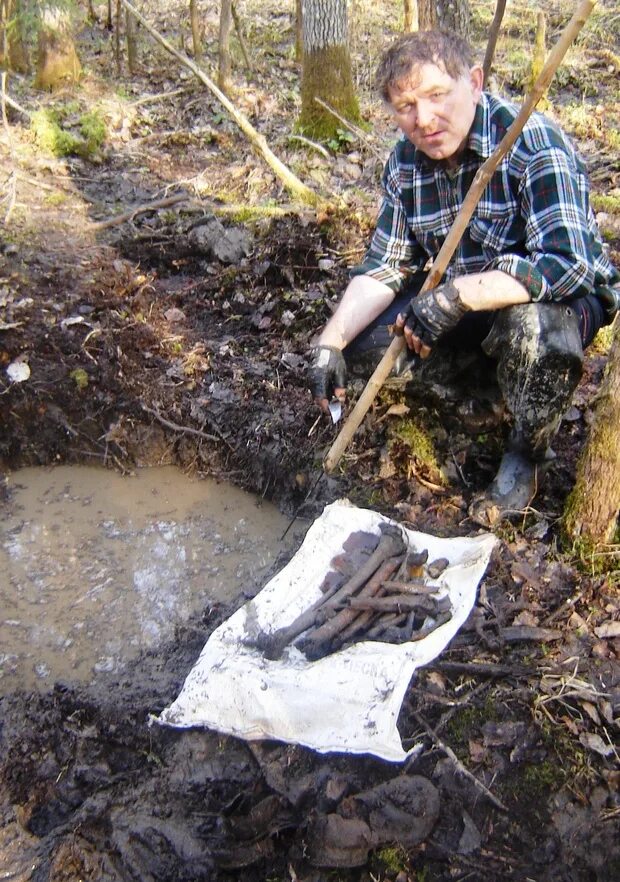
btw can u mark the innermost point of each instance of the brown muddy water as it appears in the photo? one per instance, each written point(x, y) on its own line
point(95, 567)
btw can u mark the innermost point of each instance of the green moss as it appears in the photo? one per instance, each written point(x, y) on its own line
point(410, 437)
point(49, 135)
point(327, 75)
point(393, 858)
point(80, 378)
point(47, 126)
point(93, 131)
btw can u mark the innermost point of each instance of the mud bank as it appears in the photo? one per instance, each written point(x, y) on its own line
point(142, 361)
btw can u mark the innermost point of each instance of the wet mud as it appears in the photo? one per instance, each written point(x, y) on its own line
point(136, 345)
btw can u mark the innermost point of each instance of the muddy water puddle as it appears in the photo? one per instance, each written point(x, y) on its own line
point(95, 567)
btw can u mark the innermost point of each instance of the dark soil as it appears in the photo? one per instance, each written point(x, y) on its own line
point(144, 350)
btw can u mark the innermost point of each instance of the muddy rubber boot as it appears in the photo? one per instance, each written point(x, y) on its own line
point(539, 362)
point(512, 490)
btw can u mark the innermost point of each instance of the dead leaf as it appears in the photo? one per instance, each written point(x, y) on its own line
point(591, 711)
point(174, 314)
point(594, 742)
point(477, 751)
point(525, 618)
point(608, 631)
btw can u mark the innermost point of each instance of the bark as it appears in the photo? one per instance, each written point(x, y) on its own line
point(195, 25)
point(591, 512)
point(411, 21)
point(117, 39)
point(57, 60)
point(224, 66)
point(241, 37)
point(500, 8)
point(132, 43)
point(13, 52)
point(449, 14)
point(326, 68)
point(299, 40)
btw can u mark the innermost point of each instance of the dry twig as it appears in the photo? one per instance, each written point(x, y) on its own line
point(459, 765)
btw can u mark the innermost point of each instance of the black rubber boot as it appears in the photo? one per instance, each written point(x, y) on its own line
point(539, 363)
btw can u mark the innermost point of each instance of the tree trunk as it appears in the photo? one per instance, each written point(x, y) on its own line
point(449, 14)
point(224, 66)
point(299, 39)
point(500, 8)
point(326, 70)
point(591, 512)
point(57, 59)
point(132, 42)
point(195, 25)
point(13, 53)
point(241, 37)
point(117, 39)
point(411, 21)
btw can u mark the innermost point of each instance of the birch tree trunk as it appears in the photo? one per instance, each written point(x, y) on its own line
point(591, 512)
point(453, 15)
point(326, 68)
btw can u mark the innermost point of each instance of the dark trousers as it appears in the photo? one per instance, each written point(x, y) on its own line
point(533, 352)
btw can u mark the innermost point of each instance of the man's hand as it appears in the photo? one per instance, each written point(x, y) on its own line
point(327, 375)
point(430, 315)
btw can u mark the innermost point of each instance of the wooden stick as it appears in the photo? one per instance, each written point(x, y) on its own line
point(298, 189)
point(140, 209)
point(482, 178)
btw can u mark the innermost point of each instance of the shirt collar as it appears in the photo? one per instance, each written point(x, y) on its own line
point(479, 140)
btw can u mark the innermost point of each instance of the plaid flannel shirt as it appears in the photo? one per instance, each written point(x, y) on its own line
point(534, 220)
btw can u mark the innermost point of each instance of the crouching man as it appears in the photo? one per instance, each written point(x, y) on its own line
point(529, 284)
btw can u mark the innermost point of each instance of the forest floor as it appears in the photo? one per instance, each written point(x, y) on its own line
point(143, 348)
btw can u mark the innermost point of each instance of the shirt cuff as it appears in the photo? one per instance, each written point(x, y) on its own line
point(393, 278)
point(525, 272)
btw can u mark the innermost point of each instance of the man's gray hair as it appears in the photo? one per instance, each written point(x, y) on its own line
point(443, 48)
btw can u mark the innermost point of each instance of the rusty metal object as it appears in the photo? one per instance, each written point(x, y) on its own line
point(390, 544)
point(313, 644)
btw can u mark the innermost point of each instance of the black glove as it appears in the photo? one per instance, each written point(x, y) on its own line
point(328, 371)
point(433, 313)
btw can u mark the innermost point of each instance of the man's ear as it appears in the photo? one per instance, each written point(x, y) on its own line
point(476, 78)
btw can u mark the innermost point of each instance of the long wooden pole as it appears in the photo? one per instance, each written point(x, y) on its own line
point(292, 183)
point(483, 176)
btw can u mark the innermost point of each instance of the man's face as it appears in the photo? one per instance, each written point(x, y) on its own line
point(434, 110)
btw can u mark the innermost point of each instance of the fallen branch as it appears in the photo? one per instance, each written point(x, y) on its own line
point(359, 133)
point(459, 765)
point(140, 209)
point(298, 189)
point(187, 430)
point(12, 103)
